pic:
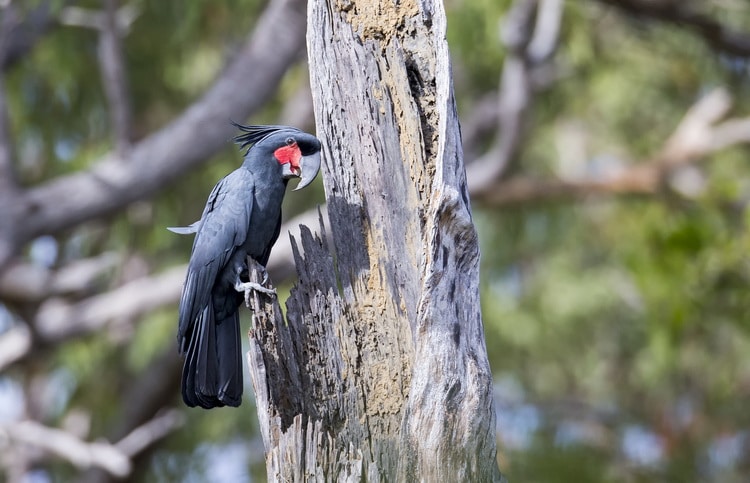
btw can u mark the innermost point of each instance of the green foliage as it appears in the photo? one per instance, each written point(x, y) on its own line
point(631, 312)
point(152, 335)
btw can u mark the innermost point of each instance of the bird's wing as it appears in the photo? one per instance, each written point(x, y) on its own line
point(196, 225)
point(186, 230)
point(223, 228)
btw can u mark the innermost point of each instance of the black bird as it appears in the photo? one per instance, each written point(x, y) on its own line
point(242, 218)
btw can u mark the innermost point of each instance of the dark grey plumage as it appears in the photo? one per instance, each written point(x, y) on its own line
point(242, 218)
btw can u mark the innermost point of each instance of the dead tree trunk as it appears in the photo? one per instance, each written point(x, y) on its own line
point(380, 372)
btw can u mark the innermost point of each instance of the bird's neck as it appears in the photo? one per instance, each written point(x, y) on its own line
point(263, 169)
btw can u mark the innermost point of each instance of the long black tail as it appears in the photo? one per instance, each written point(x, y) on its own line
point(212, 374)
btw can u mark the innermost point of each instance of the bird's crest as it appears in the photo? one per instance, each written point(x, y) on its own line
point(255, 134)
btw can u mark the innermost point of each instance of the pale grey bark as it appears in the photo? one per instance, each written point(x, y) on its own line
point(380, 372)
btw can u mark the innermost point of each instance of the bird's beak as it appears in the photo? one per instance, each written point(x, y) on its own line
point(309, 167)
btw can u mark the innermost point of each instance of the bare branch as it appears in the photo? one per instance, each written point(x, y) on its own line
point(716, 35)
point(148, 433)
point(115, 459)
point(8, 24)
point(530, 33)
point(694, 135)
point(58, 320)
point(522, 190)
point(28, 283)
point(15, 343)
point(543, 44)
point(114, 79)
point(7, 170)
point(698, 135)
point(8, 182)
point(20, 35)
point(515, 85)
point(729, 133)
point(69, 447)
point(123, 17)
point(82, 17)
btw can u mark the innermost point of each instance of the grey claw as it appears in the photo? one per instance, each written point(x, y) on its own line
point(247, 287)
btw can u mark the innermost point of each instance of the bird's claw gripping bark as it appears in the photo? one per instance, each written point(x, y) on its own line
point(248, 287)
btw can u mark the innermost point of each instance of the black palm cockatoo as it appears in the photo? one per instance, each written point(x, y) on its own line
point(242, 218)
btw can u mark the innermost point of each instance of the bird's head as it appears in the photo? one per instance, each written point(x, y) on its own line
point(296, 151)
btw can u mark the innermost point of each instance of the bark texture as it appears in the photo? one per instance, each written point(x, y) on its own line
point(380, 372)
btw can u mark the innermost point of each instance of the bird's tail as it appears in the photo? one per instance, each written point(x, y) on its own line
point(212, 374)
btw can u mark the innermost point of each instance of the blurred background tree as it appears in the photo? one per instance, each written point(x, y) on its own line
point(606, 142)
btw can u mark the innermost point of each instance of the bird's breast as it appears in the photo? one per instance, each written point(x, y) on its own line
point(264, 221)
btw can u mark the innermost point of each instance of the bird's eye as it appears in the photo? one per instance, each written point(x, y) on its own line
point(289, 141)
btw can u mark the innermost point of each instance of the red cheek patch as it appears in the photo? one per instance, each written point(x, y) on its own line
point(289, 154)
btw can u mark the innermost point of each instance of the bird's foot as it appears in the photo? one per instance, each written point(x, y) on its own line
point(248, 287)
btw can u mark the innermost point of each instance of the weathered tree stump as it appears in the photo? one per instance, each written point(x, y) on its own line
point(380, 371)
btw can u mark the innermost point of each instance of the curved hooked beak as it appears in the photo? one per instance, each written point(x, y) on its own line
point(309, 167)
